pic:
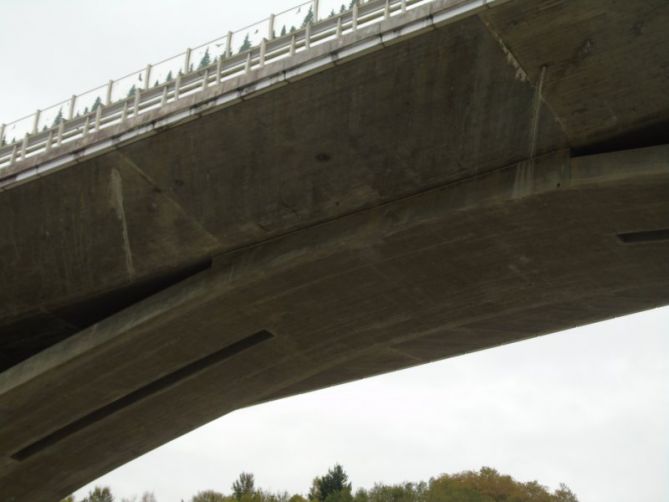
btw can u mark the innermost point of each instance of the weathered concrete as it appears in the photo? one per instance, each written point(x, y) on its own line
point(417, 203)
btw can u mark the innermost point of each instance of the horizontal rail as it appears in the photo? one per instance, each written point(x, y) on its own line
point(71, 124)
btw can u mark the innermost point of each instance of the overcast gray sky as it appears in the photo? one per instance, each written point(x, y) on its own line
point(588, 407)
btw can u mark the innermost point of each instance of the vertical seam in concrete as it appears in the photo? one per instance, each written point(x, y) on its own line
point(116, 186)
point(165, 194)
point(521, 74)
point(536, 115)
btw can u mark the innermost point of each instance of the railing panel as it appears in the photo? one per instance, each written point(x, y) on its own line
point(16, 131)
point(251, 36)
point(279, 36)
point(331, 8)
point(291, 20)
point(167, 70)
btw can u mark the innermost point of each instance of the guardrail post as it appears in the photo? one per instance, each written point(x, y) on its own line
point(307, 36)
point(354, 21)
point(228, 45)
point(339, 28)
point(247, 68)
point(315, 18)
point(12, 159)
point(386, 10)
point(163, 100)
point(124, 113)
point(87, 125)
point(219, 68)
point(205, 79)
point(135, 107)
point(73, 102)
point(61, 129)
point(24, 147)
point(404, 6)
point(293, 43)
point(147, 77)
point(187, 61)
point(110, 88)
point(271, 27)
point(177, 87)
point(36, 121)
point(98, 117)
point(49, 140)
point(263, 51)
point(2, 134)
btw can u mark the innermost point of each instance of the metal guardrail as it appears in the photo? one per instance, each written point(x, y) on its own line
point(194, 70)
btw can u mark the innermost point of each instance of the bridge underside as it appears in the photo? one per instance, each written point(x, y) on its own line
point(440, 196)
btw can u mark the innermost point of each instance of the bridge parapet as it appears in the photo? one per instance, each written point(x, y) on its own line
point(236, 54)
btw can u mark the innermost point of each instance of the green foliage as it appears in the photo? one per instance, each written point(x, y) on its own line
point(244, 485)
point(246, 44)
point(148, 497)
point(283, 30)
point(485, 485)
point(97, 104)
point(205, 61)
point(333, 486)
point(308, 18)
point(169, 77)
point(57, 120)
point(209, 496)
point(99, 494)
point(132, 91)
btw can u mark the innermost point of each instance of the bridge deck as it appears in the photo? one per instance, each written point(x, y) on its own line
point(500, 177)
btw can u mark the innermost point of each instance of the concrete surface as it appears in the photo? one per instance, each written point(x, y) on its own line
point(465, 188)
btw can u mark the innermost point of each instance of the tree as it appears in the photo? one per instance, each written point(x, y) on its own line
point(564, 494)
point(205, 61)
point(283, 30)
point(488, 485)
point(334, 483)
point(58, 118)
point(97, 104)
point(99, 495)
point(132, 91)
point(244, 485)
point(308, 18)
point(148, 497)
point(246, 44)
point(169, 77)
point(209, 496)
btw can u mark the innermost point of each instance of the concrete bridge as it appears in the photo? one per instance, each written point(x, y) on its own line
point(402, 183)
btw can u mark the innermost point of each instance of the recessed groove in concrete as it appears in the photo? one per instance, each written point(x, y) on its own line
point(142, 393)
point(661, 234)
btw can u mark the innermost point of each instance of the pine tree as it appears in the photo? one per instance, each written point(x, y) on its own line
point(97, 104)
point(132, 91)
point(169, 77)
point(308, 18)
point(333, 13)
point(205, 61)
point(283, 30)
point(246, 44)
point(244, 485)
point(58, 118)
